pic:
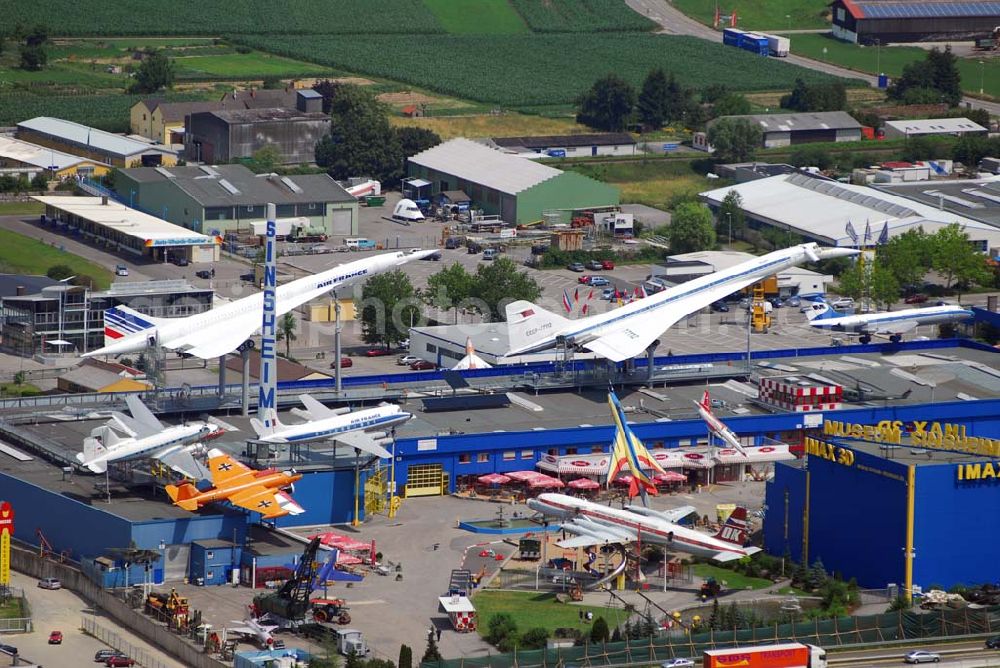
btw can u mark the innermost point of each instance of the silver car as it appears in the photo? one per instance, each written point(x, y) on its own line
point(921, 656)
point(678, 662)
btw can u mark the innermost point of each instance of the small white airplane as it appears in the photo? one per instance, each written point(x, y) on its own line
point(221, 330)
point(471, 359)
point(594, 524)
point(147, 437)
point(893, 323)
point(628, 331)
point(364, 429)
point(717, 426)
point(252, 628)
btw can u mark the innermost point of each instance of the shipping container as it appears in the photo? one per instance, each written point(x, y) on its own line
point(788, 655)
point(754, 43)
point(731, 36)
point(778, 46)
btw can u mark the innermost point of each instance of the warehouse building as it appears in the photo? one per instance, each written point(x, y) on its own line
point(976, 199)
point(227, 134)
point(802, 128)
point(513, 188)
point(884, 21)
point(231, 197)
point(926, 480)
point(569, 146)
point(819, 209)
point(933, 127)
point(163, 122)
point(20, 157)
point(127, 230)
point(93, 144)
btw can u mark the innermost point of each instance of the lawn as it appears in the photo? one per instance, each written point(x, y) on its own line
point(892, 59)
point(732, 579)
point(650, 182)
point(245, 65)
point(21, 208)
point(15, 390)
point(476, 17)
point(761, 14)
point(532, 610)
point(493, 125)
point(12, 609)
point(20, 254)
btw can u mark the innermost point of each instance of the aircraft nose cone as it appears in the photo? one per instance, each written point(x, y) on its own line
point(419, 254)
point(827, 253)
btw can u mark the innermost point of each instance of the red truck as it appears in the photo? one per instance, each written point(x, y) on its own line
point(787, 655)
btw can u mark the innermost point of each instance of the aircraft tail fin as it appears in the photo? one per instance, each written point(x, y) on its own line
point(706, 401)
point(529, 323)
point(820, 310)
point(266, 427)
point(736, 527)
point(95, 446)
point(121, 321)
point(183, 495)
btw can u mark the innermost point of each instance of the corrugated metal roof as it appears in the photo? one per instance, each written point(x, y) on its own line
point(83, 135)
point(922, 9)
point(821, 208)
point(122, 219)
point(550, 141)
point(39, 156)
point(924, 126)
point(819, 120)
point(485, 166)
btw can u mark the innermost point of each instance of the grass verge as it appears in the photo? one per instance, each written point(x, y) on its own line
point(761, 14)
point(21, 208)
point(732, 579)
point(493, 125)
point(532, 610)
point(23, 255)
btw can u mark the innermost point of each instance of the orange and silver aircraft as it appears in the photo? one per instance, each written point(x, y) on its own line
point(233, 481)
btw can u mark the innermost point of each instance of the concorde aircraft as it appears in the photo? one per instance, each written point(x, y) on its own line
point(626, 332)
point(221, 330)
point(595, 524)
point(893, 323)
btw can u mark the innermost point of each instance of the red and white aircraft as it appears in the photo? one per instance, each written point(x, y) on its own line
point(716, 426)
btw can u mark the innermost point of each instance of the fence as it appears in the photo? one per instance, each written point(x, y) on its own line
point(828, 633)
point(142, 656)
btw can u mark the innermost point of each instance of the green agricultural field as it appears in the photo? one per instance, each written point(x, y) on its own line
point(762, 14)
point(476, 17)
point(531, 610)
point(581, 16)
point(196, 17)
point(892, 59)
point(105, 111)
point(23, 255)
point(531, 70)
point(245, 66)
point(650, 182)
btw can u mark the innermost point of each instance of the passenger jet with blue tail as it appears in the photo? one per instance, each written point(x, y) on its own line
point(893, 323)
point(628, 331)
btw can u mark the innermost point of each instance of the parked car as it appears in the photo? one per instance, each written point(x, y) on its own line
point(248, 277)
point(916, 299)
point(55, 638)
point(473, 248)
point(49, 583)
point(180, 261)
point(595, 265)
point(677, 663)
point(118, 660)
point(793, 301)
point(345, 362)
point(377, 352)
point(842, 304)
point(599, 281)
point(405, 344)
point(921, 656)
point(993, 643)
point(205, 273)
point(720, 307)
point(607, 265)
point(608, 294)
point(422, 365)
point(776, 302)
point(103, 655)
point(452, 242)
point(121, 270)
point(576, 266)
point(407, 360)
point(433, 257)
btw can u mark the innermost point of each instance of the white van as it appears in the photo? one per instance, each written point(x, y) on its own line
point(490, 254)
point(359, 244)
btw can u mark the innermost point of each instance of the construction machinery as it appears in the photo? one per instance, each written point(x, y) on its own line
point(290, 604)
point(171, 608)
point(760, 309)
point(330, 610)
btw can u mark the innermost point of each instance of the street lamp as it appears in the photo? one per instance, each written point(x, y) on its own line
point(878, 57)
point(131, 199)
point(788, 19)
point(982, 71)
point(729, 218)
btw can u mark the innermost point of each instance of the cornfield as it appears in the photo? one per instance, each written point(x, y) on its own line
point(195, 17)
point(581, 16)
point(535, 70)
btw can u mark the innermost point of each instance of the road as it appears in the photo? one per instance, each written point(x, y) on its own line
point(675, 22)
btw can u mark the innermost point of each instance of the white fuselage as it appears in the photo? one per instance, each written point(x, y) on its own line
point(687, 297)
point(370, 419)
point(158, 444)
point(883, 322)
point(649, 529)
point(289, 295)
point(719, 428)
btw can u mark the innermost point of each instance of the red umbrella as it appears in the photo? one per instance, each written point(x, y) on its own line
point(584, 483)
point(524, 476)
point(624, 479)
point(670, 476)
point(545, 482)
point(493, 479)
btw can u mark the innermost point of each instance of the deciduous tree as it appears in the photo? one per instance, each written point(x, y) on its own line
point(387, 306)
point(652, 103)
point(361, 141)
point(955, 258)
point(448, 288)
point(500, 282)
point(691, 228)
point(907, 257)
point(730, 218)
point(607, 105)
point(734, 140)
point(415, 140)
point(156, 72)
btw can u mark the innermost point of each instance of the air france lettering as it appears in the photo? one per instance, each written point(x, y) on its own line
point(266, 398)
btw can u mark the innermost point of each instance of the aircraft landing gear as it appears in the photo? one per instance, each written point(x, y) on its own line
point(896, 338)
point(865, 339)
